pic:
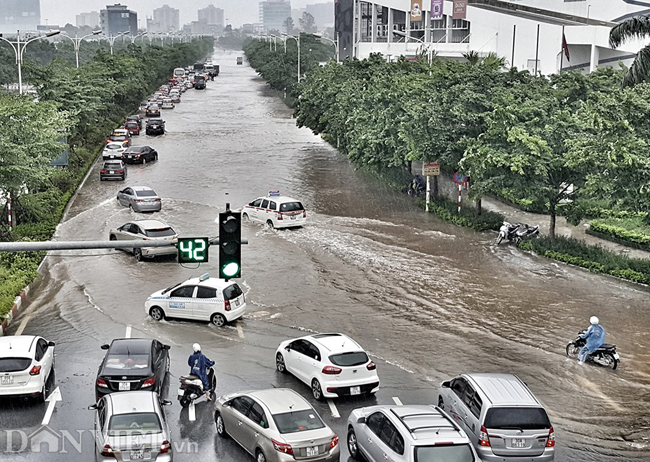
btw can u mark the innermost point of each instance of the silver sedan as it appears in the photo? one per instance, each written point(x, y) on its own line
point(146, 230)
point(140, 199)
point(276, 425)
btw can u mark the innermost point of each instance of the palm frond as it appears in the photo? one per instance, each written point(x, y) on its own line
point(639, 70)
point(634, 28)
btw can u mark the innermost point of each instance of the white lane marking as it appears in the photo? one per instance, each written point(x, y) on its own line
point(397, 400)
point(240, 331)
point(192, 412)
point(128, 332)
point(23, 324)
point(335, 412)
point(51, 402)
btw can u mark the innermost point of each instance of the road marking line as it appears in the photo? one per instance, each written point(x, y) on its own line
point(240, 331)
point(335, 412)
point(128, 332)
point(23, 324)
point(192, 412)
point(51, 402)
point(397, 401)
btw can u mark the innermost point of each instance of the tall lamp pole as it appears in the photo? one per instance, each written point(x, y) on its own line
point(19, 49)
point(336, 44)
point(77, 43)
point(297, 39)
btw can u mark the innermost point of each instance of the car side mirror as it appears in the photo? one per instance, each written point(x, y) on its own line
point(50, 344)
point(92, 407)
point(445, 384)
point(166, 402)
point(166, 347)
point(105, 346)
point(361, 420)
point(288, 348)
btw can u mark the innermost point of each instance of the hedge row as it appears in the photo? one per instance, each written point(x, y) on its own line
point(593, 258)
point(619, 234)
point(469, 217)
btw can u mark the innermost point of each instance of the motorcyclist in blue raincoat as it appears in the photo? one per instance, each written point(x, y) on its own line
point(199, 364)
point(595, 336)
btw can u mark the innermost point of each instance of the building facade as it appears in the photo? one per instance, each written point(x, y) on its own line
point(116, 19)
point(19, 15)
point(90, 19)
point(212, 15)
point(273, 14)
point(528, 33)
point(165, 19)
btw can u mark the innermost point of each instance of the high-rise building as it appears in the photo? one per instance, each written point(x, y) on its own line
point(118, 18)
point(211, 15)
point(273, 14)
point(19, 15)
point(90, 19)
point(165, 19)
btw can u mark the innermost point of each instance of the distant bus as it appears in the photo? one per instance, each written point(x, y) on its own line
point(198, 67)
point(179, 72)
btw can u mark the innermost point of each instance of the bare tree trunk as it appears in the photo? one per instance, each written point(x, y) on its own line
point(409, 164)
point(479, 206)
point(551, 229)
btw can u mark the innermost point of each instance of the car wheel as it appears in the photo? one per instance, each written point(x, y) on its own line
point(316, 390)
point(279, 363)
point(259, 456)
point(137, 253)
point(40, 397)
point(245, 217)
point(144, 160)
point(269, 223)
point(157, 313)
point(131, 208)
point(218, 319)
point(353, 447)
point(155, 156)
point(221, 428)
point(441, 402)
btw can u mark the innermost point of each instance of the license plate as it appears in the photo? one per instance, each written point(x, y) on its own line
point(518, 443)
point(130, 157)
point(181, 392)
point(110, 172)
point(7, 380)
point(292, 217)
point(136, 455)
point(616, 356)
point(312, 451)
point(355, 390)
point(235, 302)
point(124, 386)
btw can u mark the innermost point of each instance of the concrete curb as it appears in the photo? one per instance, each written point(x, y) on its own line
point(20, 302)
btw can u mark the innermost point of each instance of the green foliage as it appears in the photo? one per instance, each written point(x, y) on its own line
point(469, 217)
point(627, 231)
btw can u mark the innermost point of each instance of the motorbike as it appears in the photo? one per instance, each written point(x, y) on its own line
point(605, 356)
point(416, 189)
point(191, 388)
point(516, 232)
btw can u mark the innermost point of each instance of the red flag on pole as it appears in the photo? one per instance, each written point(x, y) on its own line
point(565, 48)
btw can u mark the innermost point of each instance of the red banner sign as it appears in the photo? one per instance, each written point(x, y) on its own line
point(460, 9)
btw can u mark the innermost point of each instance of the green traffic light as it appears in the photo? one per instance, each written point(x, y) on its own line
point(230, 270)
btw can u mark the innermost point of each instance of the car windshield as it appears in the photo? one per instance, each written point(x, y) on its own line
point(160, 232)
point(118, 137)
point(355, 358)
point(146, 193)
point(298, 421)
point(232, 291)
point(128, 424)
point(519, 418)
point(14, 364)
point(131, 125)
point(114, 146)
point(446, 453)
point(291, 207)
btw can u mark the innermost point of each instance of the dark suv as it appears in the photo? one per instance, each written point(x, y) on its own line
point(113, 170)
point(153, 110)
point(155, 127)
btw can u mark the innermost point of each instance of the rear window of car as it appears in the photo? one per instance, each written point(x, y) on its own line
point(131, 125)
point(232, 291)
point(291, 207)
point(447, 453)
point(298, 421)
point(349, 359)
point(146, 193)
point(14, 364)
point(114, 146)
point(126, 424)
point(519, 418)
point(154, 121)
point(126, 364)
point(112, 165)
point(160, 232)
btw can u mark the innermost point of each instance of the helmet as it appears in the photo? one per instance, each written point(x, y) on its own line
point(197, 347)
point(594, 320)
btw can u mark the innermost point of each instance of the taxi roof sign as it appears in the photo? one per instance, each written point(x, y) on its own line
point(275, 192)
point(203, 277)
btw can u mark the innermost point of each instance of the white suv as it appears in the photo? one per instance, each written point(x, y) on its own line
point(26, 362)
point(276, 211)
point(332, 364)
point(202, 298)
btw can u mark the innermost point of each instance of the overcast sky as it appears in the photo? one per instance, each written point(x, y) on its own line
point(237, 12)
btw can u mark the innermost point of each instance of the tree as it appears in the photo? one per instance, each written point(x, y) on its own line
point(307, 23)
point(289, 26)
point(637, 27)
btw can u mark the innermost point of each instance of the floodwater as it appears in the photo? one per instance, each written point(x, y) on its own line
point(426, 298)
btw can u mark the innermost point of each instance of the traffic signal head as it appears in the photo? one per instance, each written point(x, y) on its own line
point(229, 245)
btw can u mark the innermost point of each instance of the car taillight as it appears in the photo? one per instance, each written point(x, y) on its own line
point(149, 382)
point(304, 213)
point(371, 366)
point(165, 447)
point(35, 370)
point(120, 171)
point(158, 199)
point(483, 437)
point(331, 370)
point(551, 439)
point(282, 447)
point(107, 451)
point(103, 171)
point(227, 305)
point(101, 383)
point(334, 441)
point(279, 217)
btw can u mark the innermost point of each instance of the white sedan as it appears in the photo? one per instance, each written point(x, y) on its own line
point(114, 150)
point(332, 365)
point(26, 362)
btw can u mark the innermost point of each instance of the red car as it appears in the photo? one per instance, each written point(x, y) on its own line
point(132, 127)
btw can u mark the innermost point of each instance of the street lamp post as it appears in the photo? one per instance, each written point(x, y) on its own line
point(429, 52)
point(336, 44)
point(19, 49)
point(134, 38)
point(297, 39)
point(77, 43)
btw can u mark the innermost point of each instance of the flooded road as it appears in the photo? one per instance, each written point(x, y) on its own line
point(427, 300)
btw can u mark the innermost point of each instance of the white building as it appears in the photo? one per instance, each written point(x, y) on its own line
point(90, 19)
point(528, 33)
point(165, 19)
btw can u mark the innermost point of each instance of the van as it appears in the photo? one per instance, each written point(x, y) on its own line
point(179, 72)
point(501, 416)
point(240, 60)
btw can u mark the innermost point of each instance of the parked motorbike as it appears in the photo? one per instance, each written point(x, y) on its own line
point(191, 388)
point(605, 356)
point(516, 232)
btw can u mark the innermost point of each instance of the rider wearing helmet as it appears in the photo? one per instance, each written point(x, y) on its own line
point(199, 364)
point(595, 337)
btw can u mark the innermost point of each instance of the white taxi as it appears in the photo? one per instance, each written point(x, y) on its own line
point(26, 363)
point(276, 211)
point(201, 299)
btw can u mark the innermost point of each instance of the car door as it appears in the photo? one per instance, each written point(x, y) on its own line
point(125, 196)
point(294, 358)
point(458, 387)
point(44, 357)
point(124, 232)
point(368, 436)
point(271, 212)
point(390, 441)
point(252, 209)
point(263, 212)
point(100, 426)
point(205, 303)
point(180, 303)
point(252, 427)
point(159, 361)
point(312, 362)
point(471, 413)
point(233, 418)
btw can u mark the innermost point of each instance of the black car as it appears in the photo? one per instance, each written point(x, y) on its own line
point(113, 169)
point(140, 154)
point(199, 82)
point(134, 118)
point(132, 364)
point(155, 127)
point(153, 110)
